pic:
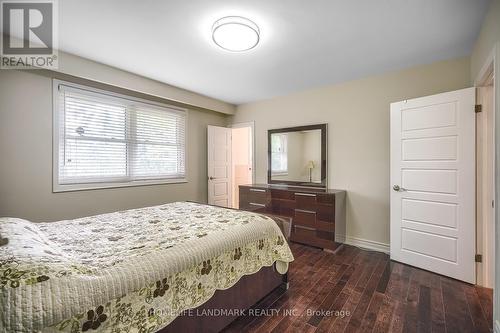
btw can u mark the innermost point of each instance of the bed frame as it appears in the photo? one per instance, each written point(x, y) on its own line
point(248, 291)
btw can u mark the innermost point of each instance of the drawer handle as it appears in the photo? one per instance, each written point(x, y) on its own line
point(306, 194)
point(305, 211)
point(303, 227)
point(257, 190)
point(256, 204)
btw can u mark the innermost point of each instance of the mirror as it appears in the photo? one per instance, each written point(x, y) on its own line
point(297, 156)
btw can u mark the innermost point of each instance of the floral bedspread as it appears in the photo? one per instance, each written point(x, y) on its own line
point(129, 271)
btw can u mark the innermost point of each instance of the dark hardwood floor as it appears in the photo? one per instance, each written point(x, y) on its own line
point(362, 291)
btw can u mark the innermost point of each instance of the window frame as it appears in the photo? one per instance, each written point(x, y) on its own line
point(281, 172)
point(120, 182)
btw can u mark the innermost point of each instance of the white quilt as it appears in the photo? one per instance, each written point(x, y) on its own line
point(128, 271)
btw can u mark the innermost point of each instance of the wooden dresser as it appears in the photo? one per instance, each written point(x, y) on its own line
point(318, 215)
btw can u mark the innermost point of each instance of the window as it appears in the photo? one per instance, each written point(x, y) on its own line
point(103, 139)
point(279, 154)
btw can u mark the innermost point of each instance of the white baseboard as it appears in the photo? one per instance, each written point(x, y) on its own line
point(366, 244)
point(497, 326)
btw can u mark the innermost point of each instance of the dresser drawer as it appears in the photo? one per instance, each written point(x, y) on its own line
point(305, 218)
point(324, 199)
point(325, 226)
point(325, 213)
point(282, 194)
point(313, 237)
point(283, 207)
point(310, 219)
point(253, 207)
point(257, 195)
point(306, 201)
point(254, 195)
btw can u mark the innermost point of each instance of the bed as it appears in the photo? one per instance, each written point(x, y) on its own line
point(136, 270)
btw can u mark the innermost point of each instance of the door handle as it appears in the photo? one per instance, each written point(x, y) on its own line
point(305, 194)
point(397, 188)
point(211, 178)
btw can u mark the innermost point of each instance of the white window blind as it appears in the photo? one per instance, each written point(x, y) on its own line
point(279, 154)
point(108, 138)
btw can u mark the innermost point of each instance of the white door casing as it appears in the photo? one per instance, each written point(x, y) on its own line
point(433, 163)
point(219, 166)
point(485, 186)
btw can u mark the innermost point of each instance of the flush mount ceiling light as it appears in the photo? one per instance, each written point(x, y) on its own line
point(235, 33)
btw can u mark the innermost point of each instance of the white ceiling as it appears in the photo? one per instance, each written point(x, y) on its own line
point(304, 44)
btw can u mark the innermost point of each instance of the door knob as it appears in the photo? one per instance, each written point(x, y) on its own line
point(397, 188)
point(211, 178)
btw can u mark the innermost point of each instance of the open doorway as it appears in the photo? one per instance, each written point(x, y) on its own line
point(242, 163)
point(485, 175)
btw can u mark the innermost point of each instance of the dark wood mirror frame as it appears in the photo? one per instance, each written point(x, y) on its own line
point(323, 128)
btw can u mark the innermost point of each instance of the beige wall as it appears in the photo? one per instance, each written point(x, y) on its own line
point(488, 37)
point(88, 69)
point(357, 114)
point(26, 159)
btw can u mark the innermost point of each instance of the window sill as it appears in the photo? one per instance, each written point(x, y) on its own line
point(56, 188)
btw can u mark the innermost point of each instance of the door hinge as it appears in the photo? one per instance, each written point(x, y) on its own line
point(479, 258)
point(478, 108)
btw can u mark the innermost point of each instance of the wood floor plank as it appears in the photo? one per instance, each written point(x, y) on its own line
point(410, 321)
point(486, 299)
point(363, 291)
point(314, 297)
point(297, 308)
point(309, 329)
point(357, 316)
point(370, 317)
point(370, 267)
point(340, 323)
point(475, 309)
point(330, 298)
point(397, 323)
point(455, 307)
point(437, 309)
point(384, 280)
point(424, 319)
point(348, 257)
point(360, 266)
point(335, 312)
point(399, 282)
point(384, 316)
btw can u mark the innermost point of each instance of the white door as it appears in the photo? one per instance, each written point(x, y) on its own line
point(219, 166)
point(433, 183)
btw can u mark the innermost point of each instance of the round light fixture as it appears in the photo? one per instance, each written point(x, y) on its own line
point(235, 33)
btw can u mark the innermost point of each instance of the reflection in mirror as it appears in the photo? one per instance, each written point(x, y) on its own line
point(296, 156)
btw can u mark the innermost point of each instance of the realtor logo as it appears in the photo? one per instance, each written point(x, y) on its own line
point(28, 34)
